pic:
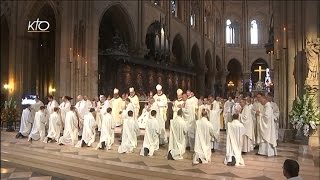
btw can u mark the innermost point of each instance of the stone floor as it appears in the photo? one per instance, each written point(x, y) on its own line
point(21, 159)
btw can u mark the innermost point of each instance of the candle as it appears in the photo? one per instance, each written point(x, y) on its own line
point(162, 39)
point(78, 62)
point(86, 69)
point(277, 49)
point(167, 44)
point(157, 41)
point(284, 38)
point(70, 55)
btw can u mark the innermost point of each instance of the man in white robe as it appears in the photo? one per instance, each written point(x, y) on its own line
point(71, 128)
point(235, 132)
point(267, 128)
point(246, 120)
point(144, 116)
point(203, 137)
point(38, 131)
point(64, 108)
point(177, 138)
point(204, 106)
point(129, 134)
point(116, 105)
point(257, 107)
point(135, 101)
point(177, 105)
point(128, 107)
point(189, 117)
point(227, 111)
point(214, 117)
point(83, 109)
point(36, 106)
point(55, 124)
point(26, 122)
point(101, 109)
point(151, 136)
point(276, 112)
point(89, 103)
point(162, 103)
point(89, 130)
point(107, 131)
point(52, 103)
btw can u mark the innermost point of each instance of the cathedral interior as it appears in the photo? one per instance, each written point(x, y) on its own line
point(222, 48)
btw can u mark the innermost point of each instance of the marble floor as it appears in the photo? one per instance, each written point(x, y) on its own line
point(21, 159)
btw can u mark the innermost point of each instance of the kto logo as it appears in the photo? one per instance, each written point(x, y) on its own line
point(38, 26)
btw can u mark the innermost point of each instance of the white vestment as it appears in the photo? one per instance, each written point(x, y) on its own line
point(107, 131)
point(83, 109)
point(257, 106)
point(89, 104)
point(204, 135)
point(227, 112)
point(143, 118)
point(214, 117)
point(89, 130)
point(130, 132)
point(116, 105)
point(35, 108)
point(235, 132)
point(64, 108)
point(55, 124)
point(38, 131)
point(162, 103)
point(128, 107)
point(71, 129)
point(205, 107)
point(177, 138)
point(267, 129)
point(101, 109)
point(136, 104)
point(189, 117)
point(26, 122)
point(246, 120)
point(51, 105)
point(175, 107)
point(235, 107)
point(276, 113)
point(163, 138)
point(151, 136)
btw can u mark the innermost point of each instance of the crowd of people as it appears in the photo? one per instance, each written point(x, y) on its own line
point(195, 126)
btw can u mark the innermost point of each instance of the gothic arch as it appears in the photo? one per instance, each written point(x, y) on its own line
point(5, 41)
point(234, 77)
point(208, 72)
point(109, 20)
point(254, 66)
point(178, 49)
point(195, 56)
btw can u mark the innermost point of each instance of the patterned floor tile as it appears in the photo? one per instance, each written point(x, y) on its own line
point(228, 174)
point(165, 167)
point(260, 178)
point(196, 170)
point(141, 163)
point(20, 175)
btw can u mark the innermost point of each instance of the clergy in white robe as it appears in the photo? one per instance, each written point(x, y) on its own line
point(177, 138)
point(87, 100)
point(64, 108)
point(276, 113)
point(128, 107)
point(246, 120)
point(214, 117)
point(107, 131)
point(38, 131)
point(162, 102)
point(177, 104)
point(71, 128)
point(189, 117)
point(101, 109)
point(116, 105)
point(89, 130)
point(267, 129)
point(36, 106)
point(135, 101)
point(227, 111)
point(144, 116)
point(26, 122)
point(256, 109)
point(52, 103)
point(55, 124)
point(203, 137)
point(83, 109)
point(151, 136)
point(129, 134)
point(235, 132)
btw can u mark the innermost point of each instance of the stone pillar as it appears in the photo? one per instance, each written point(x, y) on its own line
point(246, 80)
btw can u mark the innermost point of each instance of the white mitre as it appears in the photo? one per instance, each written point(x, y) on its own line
point(159, 87)
point(116, 91)
point(179, 92)
point(131, 89)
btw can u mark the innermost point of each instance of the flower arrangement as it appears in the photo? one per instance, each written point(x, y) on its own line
point(305, 114)
point(10, 112)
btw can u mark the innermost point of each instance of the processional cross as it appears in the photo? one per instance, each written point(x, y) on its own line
point(260, 70)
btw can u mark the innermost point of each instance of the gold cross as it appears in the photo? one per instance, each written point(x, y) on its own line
point(260, 70)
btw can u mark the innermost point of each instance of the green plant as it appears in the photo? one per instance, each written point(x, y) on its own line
point(305, 114)
point(9, 113)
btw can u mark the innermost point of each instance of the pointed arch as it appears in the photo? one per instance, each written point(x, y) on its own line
point(178, 50)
